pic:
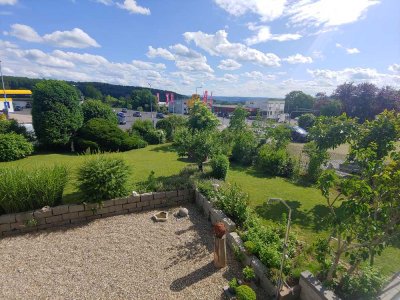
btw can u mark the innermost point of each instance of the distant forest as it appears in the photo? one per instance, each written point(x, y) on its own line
point(114, 90)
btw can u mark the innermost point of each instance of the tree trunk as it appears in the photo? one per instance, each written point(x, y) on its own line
point(201, 167)
point(333, 268)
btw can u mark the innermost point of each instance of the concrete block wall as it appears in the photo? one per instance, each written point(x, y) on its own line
point(64, 215)
point(312, 289)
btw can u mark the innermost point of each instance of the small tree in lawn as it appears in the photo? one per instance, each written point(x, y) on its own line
point(238, 119)
point(201, 118)
point(93, 109)
point(56, 113)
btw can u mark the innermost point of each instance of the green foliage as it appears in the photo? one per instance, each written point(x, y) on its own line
point(12, 126)
point(145, 129)
point(56, 113)
point(279, 136)
point(22, 189)
point(306, 121)
point(220, 166)
point(248, 273)
point(233, 201)
point(244, 147)
point(201, 118)
point(275, 162)
point(233, 283)
point(239, 255)
point(106, 136)
point(316, 158)
point(170, 124)
point(102, 177)
point(145, 99)
point(245, 292)
point(238, 119)
point(93, 109)
point(250, 246)
point(14, 146)
point(297, 100)
point(364, 285)
point(332, 108)
point(89, 91)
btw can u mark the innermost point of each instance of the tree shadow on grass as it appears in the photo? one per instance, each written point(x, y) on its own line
point(249, 171)
point(319, 214)
point(164, 148)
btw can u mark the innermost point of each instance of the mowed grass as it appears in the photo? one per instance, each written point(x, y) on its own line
point(307, 204)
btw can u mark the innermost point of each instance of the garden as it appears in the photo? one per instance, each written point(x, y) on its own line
point(345, 229)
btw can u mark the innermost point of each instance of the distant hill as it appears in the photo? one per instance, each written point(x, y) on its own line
point(240, 100)
point(113, 90)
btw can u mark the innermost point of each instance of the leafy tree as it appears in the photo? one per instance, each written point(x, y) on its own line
point(145, 99)
point(238, 119)
point(201, 118)
point(387, 98)
point(56, 113)
point(92, 109)
point(306, 121)
point(279, 136)
point(244, 147)
point(170, 124)
point(91, 92)
point(145, 129)
point(297, 100)
point(328, 107)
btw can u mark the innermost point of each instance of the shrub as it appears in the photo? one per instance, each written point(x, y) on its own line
point(233, 284)
point(250, 247)
point(220, 166)
point(170, 124)
point(102, 178)
point(245, 292)
point(22, 190)
point(275, 162)
point(316, 158)
point(93, 109)
point(306, 121)
point(107, 136)
point(244, 147)
point(248, 273)
point(270, 256)
point(145, 129)
point(363, 285)
point(14, 146)
point(233, 202)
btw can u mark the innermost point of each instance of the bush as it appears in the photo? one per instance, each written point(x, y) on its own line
point(102, 178)
point(14, 146)
point(145, 129)
point(244, 147)
point(316, 158)
point(233, 202)
point(93, 109)
point(12, 126)
point(22, 190)
point(306, 121)
point(220, 166)
point(107, 136)
point(275, 162)
point(363, 285)
point(233, 284)
point(250, 247)
point(245, 292)
point(248, 273)
point(170, 124)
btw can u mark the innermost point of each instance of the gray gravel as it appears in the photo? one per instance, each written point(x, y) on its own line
point(122, 257)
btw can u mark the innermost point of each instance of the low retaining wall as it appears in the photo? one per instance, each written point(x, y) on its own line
point(74, 213)
point(312, 289)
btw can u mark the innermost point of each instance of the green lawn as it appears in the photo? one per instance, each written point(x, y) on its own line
point(308, 206)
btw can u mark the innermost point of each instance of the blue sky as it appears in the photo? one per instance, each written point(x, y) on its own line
point(261, 48)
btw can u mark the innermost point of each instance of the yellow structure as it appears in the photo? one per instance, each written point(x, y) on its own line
point(15, 92)
point(15, 97)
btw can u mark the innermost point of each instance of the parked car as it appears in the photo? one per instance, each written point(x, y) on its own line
point(28, 105)
point(124, 110)
point(137, 114)
point(299, 135)
point(160, 116)
point(18, 108)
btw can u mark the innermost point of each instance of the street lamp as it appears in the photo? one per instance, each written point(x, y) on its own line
point(151, 105)
point(198, 87)
point(280, 283)
point(4, 93)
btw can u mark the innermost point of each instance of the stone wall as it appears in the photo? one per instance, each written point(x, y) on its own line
point(312, 289)
point(64, 215)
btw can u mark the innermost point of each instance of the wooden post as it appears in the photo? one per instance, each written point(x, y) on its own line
point(220, 252)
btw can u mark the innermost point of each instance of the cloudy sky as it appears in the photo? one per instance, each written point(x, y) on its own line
point(231, 47)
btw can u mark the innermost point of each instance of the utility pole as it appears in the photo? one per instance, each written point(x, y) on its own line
point(151, 105)
point(4, 93)
point(198, 87)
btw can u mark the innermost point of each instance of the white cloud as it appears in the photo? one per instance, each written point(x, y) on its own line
point(267, 9)
point(217, 44)
point(45, 59)
point(348, 50)
point(105, 2)
point(256, 75)
point(76, 38)
point(264, 34)
point(228, 78)
point(8, 2)
point(7, 44)
point(133, 7)
point(395, 68)
point(25, 33)
point(159, 52)
point(298, 59)
point(328, 13)
point(229, 64)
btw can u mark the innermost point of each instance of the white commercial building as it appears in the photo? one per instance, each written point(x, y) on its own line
point(271, 109)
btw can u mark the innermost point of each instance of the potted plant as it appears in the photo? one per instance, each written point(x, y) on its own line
point(248, 274)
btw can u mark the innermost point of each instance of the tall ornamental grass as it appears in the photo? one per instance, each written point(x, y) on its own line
point(22, 190)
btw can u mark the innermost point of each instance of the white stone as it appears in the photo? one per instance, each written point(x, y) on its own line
point(183, 212)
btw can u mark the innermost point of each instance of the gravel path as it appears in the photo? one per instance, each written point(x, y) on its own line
point(122, 257)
